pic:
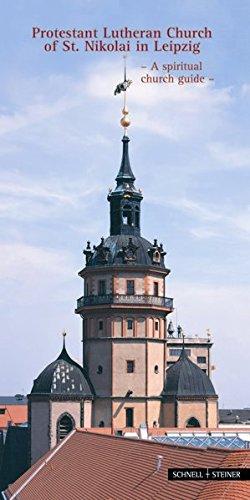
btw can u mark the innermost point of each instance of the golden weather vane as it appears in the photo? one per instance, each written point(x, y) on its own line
point(122, 87)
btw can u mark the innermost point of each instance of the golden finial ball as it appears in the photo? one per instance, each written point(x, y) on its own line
point(125, 111)
point(125, 121)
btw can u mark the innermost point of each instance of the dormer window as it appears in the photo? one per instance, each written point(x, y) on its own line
point(156, 256)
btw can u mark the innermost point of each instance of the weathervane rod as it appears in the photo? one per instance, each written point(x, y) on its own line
point(64, 335)
point(122, 87)
point(125, 79)
point(125, 67)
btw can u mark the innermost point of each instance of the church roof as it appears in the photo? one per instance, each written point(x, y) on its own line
point(185, 378)
point(234, 416)
point(126, 249)
point(115, 467)
point(125, 173)
point(63, 376)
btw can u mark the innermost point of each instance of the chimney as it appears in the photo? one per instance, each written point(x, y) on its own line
point(143, 431)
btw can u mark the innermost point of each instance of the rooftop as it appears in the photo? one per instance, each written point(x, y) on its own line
point(112, 467)
point(230, 442)
point(185, 378)
point(13, 413)
point(18, 399)
point(235, 416)
point(63, 377)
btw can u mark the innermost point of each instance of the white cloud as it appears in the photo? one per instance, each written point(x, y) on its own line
point(26, 198)
point(22, 262)
point(245, 89)
point(204, 233)
point(242, 220)
point(222, 220)
point(33, 114)
point(230, 156)
point(172, 111)
point(197, 209)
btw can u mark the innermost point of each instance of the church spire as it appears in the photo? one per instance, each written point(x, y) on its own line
point(125, 198)
point(125, 173)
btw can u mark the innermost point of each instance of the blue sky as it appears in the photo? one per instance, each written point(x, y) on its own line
point(59, 153)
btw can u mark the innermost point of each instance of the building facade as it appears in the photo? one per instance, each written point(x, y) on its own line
point(135, 369)
point(127, 343)
point(60, 400)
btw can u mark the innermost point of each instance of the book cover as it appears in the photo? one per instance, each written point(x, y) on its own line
point(171, 81)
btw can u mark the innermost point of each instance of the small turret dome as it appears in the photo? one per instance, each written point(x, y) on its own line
point(63, 376)
point(185, 378)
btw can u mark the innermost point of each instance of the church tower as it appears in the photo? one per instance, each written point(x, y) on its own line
point(124, 310)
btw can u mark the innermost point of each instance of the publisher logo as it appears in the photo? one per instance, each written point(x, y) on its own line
point(228, 474)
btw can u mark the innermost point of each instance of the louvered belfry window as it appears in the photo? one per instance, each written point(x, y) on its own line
point(65, 426)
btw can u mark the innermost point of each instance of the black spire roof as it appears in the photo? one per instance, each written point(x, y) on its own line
point(125, 177)
point(185, 378)
point(125, 173)
point(63, 376)
point(125, 199)
point(125, 245)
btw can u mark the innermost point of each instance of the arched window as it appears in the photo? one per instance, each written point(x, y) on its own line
point(101, 423)
point(137, 216)
point(127, 215)
point(156, 369)
point(193, 422)
point(65, 425)
point(99, 369)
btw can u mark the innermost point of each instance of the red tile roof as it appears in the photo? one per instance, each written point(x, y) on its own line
point(93, 466)
point(233, 490)
point(16, 414)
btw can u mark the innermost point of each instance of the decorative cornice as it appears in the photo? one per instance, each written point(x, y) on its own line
point(170, 398)
point(139, 340)
point(111, 268)
point(130, 398)
point(58, 397)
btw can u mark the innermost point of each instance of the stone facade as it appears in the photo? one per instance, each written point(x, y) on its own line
point(118, 334)
point(127, 348)
point(178, 412)
point(45, 414)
